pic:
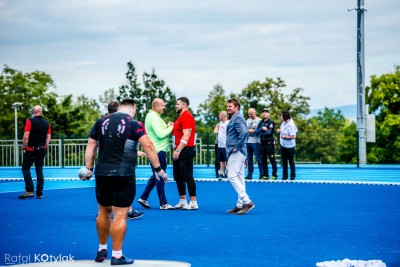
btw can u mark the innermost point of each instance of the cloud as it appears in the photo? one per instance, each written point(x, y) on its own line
point(193, 45)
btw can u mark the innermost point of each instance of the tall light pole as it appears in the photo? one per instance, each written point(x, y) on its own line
point(15, 106)
point(361, 110)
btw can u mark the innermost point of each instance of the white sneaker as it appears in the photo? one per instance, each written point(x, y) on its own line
point(144, 203)
point(192, 206)
point(167, 207)
point(181, 205)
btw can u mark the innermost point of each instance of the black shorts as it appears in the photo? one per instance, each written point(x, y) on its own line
point(221, 154)
point(118, 191)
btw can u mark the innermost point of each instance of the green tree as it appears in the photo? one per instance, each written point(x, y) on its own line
point(269, 94)
point(383, 97)
point(32, 88)
point(208, 111)
point(153, 87)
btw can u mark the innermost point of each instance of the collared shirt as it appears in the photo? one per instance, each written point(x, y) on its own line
point(157, 130)
point(288, 128)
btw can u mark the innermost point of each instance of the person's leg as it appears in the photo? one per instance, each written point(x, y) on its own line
point(186, 166)
point(250, 161)
point(235, 176)
point(217, 165)
point(258, 158)
point(271, 156)
point(103, 224)
point(160, 184)
point(291, 153)
point(264, 159)
point(179, 179)
point(123, 193)
point(149, 187)
point(284, 160)
point(27, 163)
point(39, 162)
point(118, 227)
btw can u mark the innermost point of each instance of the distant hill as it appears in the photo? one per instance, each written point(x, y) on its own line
point(348, 111)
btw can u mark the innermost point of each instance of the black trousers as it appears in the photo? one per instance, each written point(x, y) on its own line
point(30, 157)
point(287, 155)
point(267, 151)
point(183, 171)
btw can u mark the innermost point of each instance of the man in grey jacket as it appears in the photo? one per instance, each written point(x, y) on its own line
point(236, 152)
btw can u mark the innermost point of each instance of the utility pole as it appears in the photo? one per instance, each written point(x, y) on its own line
point(361, 112)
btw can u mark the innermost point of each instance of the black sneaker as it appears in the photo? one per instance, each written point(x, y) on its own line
point(134, 214)
point(246, 208)
point(248, 178)
point(121, 261)
point(101, 255)
point(26, 195)
point(39, 197)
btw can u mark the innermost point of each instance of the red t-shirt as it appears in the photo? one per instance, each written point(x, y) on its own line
point(185, 121)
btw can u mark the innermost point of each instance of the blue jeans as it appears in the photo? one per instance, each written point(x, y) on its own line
point(253, 149)
point(154, 182)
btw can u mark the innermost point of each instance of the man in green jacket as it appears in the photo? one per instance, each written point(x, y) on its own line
point(158, 132)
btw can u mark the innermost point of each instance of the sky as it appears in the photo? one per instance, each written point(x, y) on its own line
point(194, 45)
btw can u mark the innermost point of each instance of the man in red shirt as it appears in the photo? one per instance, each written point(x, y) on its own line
point(37, 136)
point(184, 153)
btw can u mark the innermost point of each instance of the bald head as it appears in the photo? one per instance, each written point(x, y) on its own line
point(158, 105)
point(252, 113)
point(37, 110)
point(223, 116)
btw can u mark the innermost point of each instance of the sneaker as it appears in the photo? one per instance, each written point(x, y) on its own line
point(167, 207)
point(121, 261)
point(234, 210)
point(246, 208)
point(192, 206)
point(101, 255)
point(26, 195)
point(134, 214)
point(264, 178)
point(274, 177)
point(248, 178)
point(144, 203)
point(39, 197)
point(181, 205)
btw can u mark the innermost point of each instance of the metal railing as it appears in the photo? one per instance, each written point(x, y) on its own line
point(71, 152)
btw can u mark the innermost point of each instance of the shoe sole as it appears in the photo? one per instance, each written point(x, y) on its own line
point(252, 207)
point(25, 197)
point(144, 205)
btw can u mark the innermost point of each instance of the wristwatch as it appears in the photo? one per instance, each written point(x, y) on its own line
point(178, 150)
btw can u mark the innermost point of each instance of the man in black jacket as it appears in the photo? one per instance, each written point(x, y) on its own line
point(37, 136)
point(267, 148)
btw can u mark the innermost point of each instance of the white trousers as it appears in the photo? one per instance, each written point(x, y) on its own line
point(236, 177)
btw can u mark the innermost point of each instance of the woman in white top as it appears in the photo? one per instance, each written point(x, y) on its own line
point(288, 143)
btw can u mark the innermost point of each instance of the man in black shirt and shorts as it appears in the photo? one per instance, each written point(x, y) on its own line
point(116, 136)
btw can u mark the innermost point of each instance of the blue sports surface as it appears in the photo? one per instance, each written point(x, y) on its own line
point(321, 216)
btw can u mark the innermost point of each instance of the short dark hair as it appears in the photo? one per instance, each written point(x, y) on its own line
point(285, 115)
point(234, 101)
point(184, 100)
point(113, 106)
point(128, 101)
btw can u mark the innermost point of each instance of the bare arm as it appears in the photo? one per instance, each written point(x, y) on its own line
point(25, 139)
point(90, 154)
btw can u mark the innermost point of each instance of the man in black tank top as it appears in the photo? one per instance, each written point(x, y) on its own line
point(37, 136)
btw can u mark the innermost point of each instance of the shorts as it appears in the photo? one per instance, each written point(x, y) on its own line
point(117, 191)
point(221, 154)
